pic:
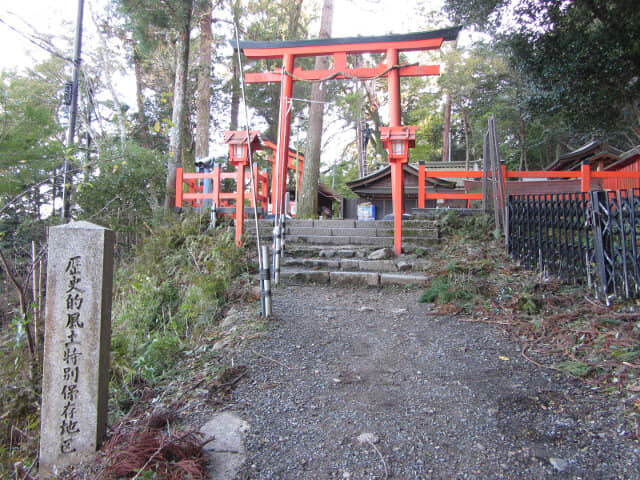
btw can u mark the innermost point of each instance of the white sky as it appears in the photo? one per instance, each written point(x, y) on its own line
point(58, 18)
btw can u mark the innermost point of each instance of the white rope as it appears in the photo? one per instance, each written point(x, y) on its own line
point(252, 180)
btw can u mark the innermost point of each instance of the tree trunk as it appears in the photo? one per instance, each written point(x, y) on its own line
point(467, 145)
point(235, 73)
point(179, 104)
point(137, 68)
point(235, 93)
point(308, 207)
point(523, 147)
point(446, 154)
point(203, 102)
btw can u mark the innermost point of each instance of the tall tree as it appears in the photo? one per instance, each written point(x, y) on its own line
point(580, 58)
point(30, 137)
point(234, 83)
point(178, 116)
point(273, 20)
point(203, 97)
point(446, 134)
point(308, 207)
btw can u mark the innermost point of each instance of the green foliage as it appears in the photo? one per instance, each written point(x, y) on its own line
point(272, 20)
point(19, 404)
point(574, 368)
point(449, 288)
point(126, 190)
point(157, 355)
point(470, 227)
point(529, 304)
point(175, 287)
point(558, 48)
point(30, 139)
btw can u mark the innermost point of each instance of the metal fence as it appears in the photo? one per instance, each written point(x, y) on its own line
point(583, 238)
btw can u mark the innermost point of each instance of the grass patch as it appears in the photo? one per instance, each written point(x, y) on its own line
point(449, 289)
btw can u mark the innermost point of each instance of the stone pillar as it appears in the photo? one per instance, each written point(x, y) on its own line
point(76, 344)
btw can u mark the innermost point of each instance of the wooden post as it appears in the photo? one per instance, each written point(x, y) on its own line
point(485, 171)
point(585, 180)
point(282, 160)
point(421, 184)
point(217, 184)
point(254, 182)
point(179, 173)
point(265, 191)
point(239, 202)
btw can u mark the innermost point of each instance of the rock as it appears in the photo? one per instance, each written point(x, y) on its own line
point(366, 309)
point(226, 451)
point(367, 437)
point(380, 254)
point(560, 464)
point(399, 311)
point(221, 344)
point(404, 265)
point(232, 318)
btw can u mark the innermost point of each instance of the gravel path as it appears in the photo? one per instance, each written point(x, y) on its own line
point(435, 397)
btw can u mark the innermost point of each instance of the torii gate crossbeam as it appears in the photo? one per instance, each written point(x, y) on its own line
point(339, 48)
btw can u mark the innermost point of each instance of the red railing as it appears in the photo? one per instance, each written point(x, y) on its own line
point(193, 194)
point(585, 175)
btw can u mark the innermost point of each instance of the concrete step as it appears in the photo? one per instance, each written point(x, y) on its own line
point(358, 264)
point(292, 276)
point(435, 213)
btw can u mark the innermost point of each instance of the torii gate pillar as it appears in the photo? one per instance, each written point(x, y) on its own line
point(340, 48)
point(284, 122)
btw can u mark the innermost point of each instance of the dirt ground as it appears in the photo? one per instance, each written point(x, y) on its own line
point(371, 384)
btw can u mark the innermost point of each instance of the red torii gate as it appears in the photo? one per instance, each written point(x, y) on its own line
point(399, 138)
point(295, 162)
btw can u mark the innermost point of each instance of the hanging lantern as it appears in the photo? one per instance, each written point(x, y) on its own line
point(398, 141)
point(239, 151)
point(398, 147)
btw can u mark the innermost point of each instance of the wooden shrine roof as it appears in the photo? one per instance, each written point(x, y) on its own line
point(592, 151)
point(380, 180)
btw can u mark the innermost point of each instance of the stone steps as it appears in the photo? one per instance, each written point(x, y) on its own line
point(378, 233)
point(401, 264)
point(351, 252)
point(369, 279)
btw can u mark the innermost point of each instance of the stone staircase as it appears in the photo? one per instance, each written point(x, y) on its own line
point(351, 252)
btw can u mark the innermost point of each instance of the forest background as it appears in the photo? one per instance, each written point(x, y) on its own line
point(554, 73)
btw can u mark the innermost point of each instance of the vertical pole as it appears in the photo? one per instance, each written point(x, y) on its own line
point(285, 127)
point(485, 171)
point(239, 202)
point(179, 173)
point(265, 191)
point(585, 180)
point(217, 187)
point(265, 283)
point(397, 172)
point(421, 184)
point(66, 201)
point(396, 192)
point(274, 182)
point(393, 81)
point(256, 179)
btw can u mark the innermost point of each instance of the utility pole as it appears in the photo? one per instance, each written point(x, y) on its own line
point(66, 178)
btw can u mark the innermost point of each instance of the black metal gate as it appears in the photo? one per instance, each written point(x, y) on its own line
point(580, 237)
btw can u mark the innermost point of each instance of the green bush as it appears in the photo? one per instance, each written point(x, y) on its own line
point(176, 286)
point(449, 289)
